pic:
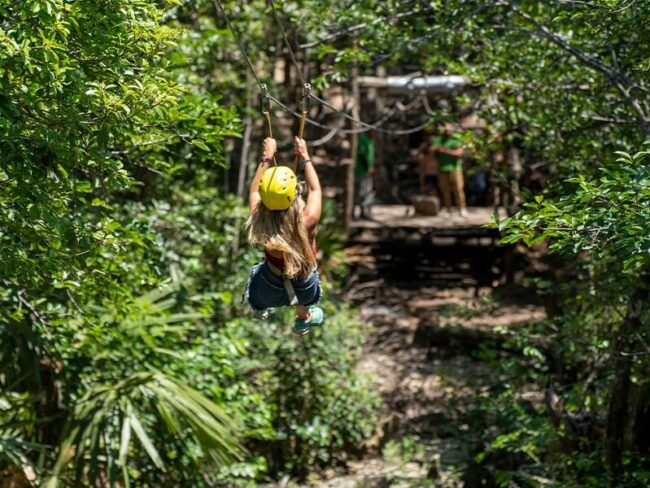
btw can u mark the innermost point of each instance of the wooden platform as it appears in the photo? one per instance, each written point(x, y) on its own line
point(399, 221)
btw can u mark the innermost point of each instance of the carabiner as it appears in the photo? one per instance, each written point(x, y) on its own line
point(265, 101)
point(305, 99)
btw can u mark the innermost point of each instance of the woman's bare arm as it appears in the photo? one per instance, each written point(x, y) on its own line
point(315, 195)
point(268, 150)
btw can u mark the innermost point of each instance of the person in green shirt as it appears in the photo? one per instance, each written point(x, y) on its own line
point(449, 152)
point(363, 168)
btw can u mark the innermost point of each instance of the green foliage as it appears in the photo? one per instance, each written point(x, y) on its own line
point(318, 409)
point(124, 347)
point(599, 224)
point(565, 85)
point(122, 263)
point(605, 217)
point(106, 417)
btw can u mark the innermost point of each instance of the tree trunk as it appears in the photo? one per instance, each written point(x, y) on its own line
point(241, 176)
point(618, 414)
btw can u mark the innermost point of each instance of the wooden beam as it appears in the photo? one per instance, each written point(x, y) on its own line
point(439, 84)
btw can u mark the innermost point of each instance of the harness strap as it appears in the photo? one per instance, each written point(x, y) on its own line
point(288, 285)
point(293, 299)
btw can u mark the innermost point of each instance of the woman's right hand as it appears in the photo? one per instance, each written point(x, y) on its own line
point(269, 147)
point(300, 148)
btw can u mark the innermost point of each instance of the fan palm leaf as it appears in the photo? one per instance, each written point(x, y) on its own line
point(90, 433)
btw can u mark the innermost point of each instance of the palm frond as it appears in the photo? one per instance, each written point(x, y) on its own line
point(181, 409)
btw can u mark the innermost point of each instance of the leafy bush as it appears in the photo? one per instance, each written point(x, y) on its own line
point(123, 346)
point(595, 348)
point(320, 408)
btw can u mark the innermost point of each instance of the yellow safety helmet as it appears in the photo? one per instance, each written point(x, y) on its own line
point(278, 187)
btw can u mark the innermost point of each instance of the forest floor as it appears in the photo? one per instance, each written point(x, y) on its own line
point(429, 331)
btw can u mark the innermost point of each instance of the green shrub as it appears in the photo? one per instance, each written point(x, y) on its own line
point(319, 406)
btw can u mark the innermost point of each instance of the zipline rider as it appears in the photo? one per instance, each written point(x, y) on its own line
point(285, 226)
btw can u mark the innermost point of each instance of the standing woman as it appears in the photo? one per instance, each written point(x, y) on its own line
point(285, 226)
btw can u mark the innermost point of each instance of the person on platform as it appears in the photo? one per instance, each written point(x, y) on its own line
point(285, 225)
point(428, 162)
point(449, 152)
point(363, 174)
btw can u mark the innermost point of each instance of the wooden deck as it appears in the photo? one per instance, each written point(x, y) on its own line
point(398, 221)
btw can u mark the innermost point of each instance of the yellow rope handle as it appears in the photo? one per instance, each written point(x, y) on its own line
point(265, 107)
point(304, 109)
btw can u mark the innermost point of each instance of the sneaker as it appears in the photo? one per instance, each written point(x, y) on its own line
point(463, 212)
point(445, 213)
point(263, 315)
point(316, 317)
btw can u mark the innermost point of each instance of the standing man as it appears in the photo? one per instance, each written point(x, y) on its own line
point(449, 152)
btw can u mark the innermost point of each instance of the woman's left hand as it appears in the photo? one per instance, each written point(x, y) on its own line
point(269, 147)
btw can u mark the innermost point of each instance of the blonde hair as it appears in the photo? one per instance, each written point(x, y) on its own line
point(284, 231)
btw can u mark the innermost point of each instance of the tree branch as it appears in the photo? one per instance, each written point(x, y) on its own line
point(617, 78)
point(24, 301)
point(364, 25)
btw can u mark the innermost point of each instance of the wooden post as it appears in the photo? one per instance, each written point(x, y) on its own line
point(245, 151)
point(349, 179)
point(243, 166)
point(379, 167)
point(619, 421)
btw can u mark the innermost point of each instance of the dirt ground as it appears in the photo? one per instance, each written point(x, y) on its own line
point(423, 355)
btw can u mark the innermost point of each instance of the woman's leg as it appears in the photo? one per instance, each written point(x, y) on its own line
point(302, 312)
point(308, 314)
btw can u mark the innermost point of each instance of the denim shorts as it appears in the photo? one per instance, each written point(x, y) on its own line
point(265, 289)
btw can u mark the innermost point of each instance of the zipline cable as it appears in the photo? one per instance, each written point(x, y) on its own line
point(374, 126)
point(323, 140)
point(265, 101)
point(369, 127)
point(218, 4)
point(377, 124)
point(266, 97)
point(286, 41)
point(305, 99)
point(423, 97)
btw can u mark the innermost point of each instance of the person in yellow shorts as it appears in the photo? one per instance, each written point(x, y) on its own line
point(449, 152)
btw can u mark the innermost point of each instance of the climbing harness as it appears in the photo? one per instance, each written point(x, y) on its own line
point(288, 285)
point(291, 293)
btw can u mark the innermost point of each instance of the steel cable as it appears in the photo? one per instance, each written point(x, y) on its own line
point(365, 127)
point(218, 4)
point(286, 41)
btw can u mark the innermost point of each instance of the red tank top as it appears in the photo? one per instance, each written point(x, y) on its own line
point(279, 262)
